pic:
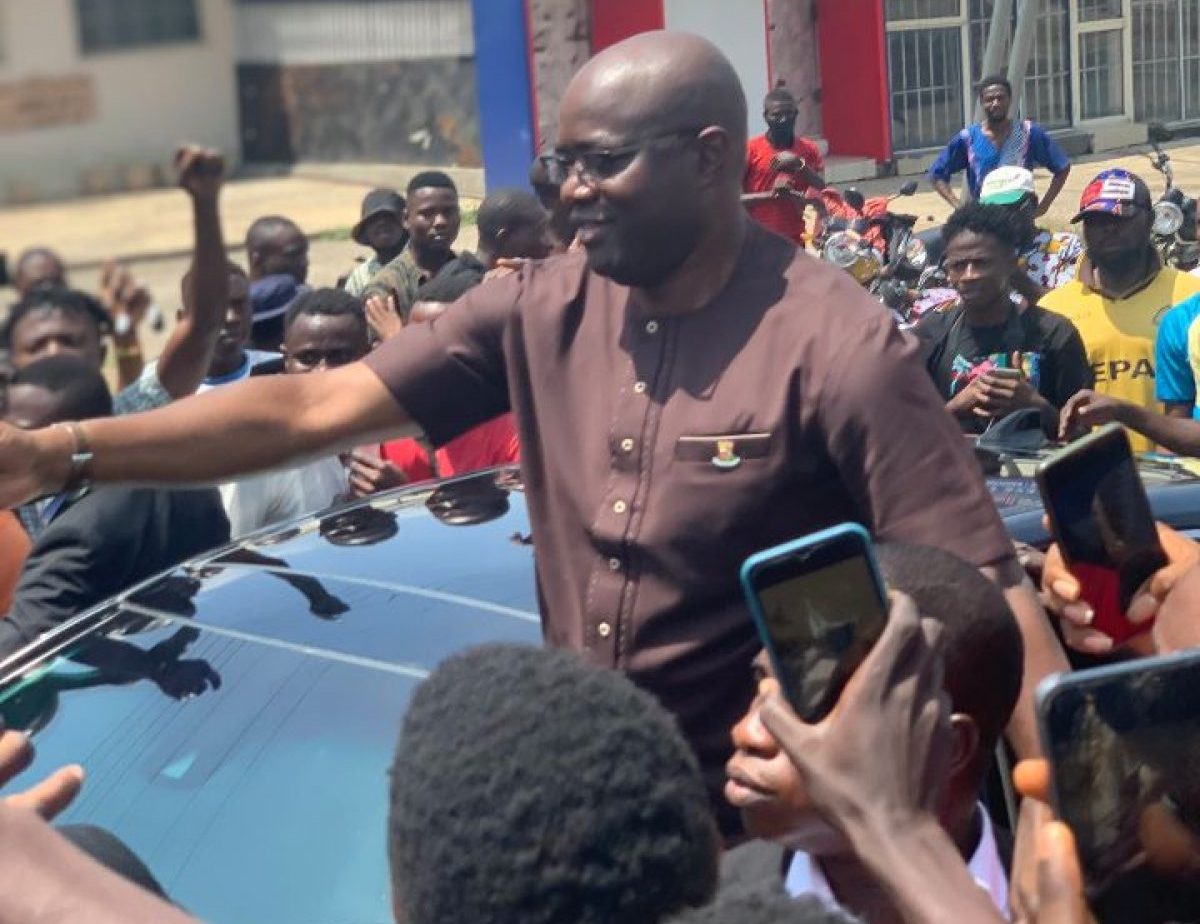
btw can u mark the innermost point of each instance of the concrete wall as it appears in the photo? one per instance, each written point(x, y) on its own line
point(134, 105)
point(358, 81)
point(560, 32)
point(795, 58)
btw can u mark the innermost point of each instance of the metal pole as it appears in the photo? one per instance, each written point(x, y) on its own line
point(997, 43)
point(1022, 48)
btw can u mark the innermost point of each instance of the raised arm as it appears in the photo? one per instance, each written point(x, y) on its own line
point(251, 426)
point(186, 357)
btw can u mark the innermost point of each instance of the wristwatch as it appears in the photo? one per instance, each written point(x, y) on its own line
point(80, 473)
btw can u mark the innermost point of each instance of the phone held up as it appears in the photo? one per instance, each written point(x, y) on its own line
point(819, 604)
point(1124, 746)
point(1100, 518)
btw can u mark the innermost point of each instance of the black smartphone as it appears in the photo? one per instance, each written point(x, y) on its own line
point(1101, 519)
point(819, 604)
point(1124, 746)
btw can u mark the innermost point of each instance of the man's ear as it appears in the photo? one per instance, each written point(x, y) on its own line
point(966, 742)
point(714, 153)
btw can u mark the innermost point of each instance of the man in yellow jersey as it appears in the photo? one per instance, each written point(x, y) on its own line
point(1122, 290)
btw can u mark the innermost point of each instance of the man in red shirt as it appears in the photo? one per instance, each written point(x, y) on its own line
point(780, 160)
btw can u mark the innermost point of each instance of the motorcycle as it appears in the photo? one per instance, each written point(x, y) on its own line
point(1174, 227)
point(878, 247)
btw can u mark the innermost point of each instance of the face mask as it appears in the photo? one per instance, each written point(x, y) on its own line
point(782, 131)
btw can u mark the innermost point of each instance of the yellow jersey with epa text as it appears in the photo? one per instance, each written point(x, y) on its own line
point(1119, 333)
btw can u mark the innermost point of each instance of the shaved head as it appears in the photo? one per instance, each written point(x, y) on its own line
point(651, 151)
point(663, 81)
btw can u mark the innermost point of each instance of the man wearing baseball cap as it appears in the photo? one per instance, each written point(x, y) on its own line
point(1122, 291)
point(1046, 259)
point(381, 228)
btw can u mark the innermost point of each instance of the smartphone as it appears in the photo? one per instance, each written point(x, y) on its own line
point(1124, 748)
point(1100, 518)
point(819, 604)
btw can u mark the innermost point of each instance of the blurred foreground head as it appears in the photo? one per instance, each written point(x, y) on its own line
point(530, 787)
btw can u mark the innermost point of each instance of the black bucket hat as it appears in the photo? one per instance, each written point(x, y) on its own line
point(378, 202)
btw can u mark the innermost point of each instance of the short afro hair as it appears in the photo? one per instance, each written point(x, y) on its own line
point(995, 80)
point(528, 786)
point(328, 302)
point(506, 209)
point(78, 386)
point(779, 95)
point(431, 179)
point(985, 655)
point(764, 906)
point(995, 221)
point(55, 298)
point(267, 227)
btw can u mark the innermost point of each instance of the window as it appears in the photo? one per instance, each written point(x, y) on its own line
point(925, 70)
point(1047, 97)
point(1093, 10)
point(110, 25)
point(904, 10)
point(1102, 74)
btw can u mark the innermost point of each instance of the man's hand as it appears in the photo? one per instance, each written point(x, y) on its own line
point(125, 299)
point(788, 162)
point(883, 755)
point(201, 171)
point(383, 316)
point(369, 475)
point(967, 401)
point(32, 463)
point(1002, 394)
point(48, 797)
point(1062, 594)
point(1087, 409)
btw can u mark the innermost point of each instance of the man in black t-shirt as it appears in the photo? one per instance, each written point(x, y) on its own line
point(991, 353)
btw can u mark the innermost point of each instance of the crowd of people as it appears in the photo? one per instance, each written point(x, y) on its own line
point(682, 387)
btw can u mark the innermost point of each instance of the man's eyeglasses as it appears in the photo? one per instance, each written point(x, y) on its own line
point(593, 165)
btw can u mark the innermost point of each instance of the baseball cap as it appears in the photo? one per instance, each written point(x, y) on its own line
point(1007, 186)
point(1113, 192)
point(378, 202)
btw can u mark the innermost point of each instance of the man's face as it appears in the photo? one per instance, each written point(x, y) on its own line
point(38, 269)
point(235, 332)
point(995, 101)
point(780, 117)
point(638, 213)
point(433, 219)
point(285, 253)
point(384, 232)
point(1115, 239)
point(53, 332)
point(320, 341)
point(30, 407)
point(531, 240)
point(764, 785)
point(980, 268)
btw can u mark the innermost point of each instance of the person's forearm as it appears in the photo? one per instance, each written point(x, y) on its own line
point(1043, 653)
point(944, 190)
point(186, 358)
point(922, 871)
point(1050, 415)
point(237, 429)
point(130, 361)
point(1175, 434)
point(1056, 185)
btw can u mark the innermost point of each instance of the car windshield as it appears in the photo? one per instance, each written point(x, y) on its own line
point(236, 721)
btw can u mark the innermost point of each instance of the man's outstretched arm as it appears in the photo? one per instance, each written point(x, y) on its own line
point(251, 426)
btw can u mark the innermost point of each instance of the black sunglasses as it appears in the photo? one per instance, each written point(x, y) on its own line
point(594, 165)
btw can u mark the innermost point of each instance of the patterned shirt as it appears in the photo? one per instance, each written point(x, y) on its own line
point(1051, 259)
point(1027, 145)
point(357, 281)
point(145, 394)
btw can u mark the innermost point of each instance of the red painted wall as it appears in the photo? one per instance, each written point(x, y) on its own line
point(854, 80)
point(614, 20)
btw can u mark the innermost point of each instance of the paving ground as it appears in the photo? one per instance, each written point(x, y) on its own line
point(151, 231)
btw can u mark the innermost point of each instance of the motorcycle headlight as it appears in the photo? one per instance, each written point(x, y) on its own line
point(1168, 218)
point(915, 254)
point(850, 252)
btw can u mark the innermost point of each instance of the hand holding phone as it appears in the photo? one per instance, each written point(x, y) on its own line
point(819, 605)
point(1123, 743)
point(1100, 518)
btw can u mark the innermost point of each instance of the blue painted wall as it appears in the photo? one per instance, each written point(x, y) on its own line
point(506, 129)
